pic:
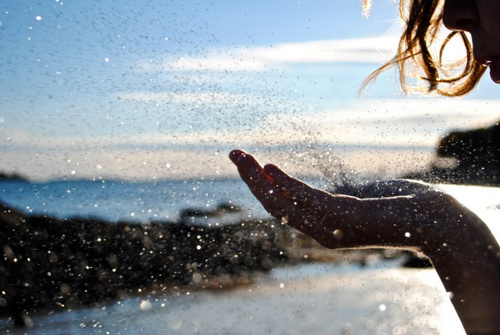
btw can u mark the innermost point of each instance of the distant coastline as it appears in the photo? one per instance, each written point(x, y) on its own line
point(4, 176)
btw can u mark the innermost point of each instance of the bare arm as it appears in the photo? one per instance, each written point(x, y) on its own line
point(464, 252)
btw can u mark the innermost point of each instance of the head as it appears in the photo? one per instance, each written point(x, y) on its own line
point(423, 20)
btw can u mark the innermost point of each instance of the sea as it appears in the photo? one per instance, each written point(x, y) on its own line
point(381, 298)
point(139, 202)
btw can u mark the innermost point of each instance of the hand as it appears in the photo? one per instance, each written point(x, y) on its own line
point(401, 214)
point(335, 221)
point(397, 213)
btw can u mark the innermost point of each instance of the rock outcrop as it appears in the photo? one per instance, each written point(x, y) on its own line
point(50, 264)
point(476, 156)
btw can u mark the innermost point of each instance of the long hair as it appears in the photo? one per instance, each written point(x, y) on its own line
point(423, 19)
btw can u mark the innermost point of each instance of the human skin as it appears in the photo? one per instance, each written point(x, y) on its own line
point(481, 19)
point(418, 217)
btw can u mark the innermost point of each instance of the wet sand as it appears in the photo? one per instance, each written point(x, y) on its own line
point(308, 299)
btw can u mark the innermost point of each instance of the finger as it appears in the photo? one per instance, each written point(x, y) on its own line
point(317, 205)
point(235, 154)
point(251, 172)
point(286, 183)
point(259, 183)
point(278, 204)
point(296, 189)
point(274, 201)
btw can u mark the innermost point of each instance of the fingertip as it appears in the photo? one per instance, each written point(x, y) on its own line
point(273, 170)
point(235, 154)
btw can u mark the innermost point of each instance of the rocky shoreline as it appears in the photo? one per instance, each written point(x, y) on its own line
point(50, 265)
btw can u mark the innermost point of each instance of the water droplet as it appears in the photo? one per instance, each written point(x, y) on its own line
point(106, 59)
point(38, 18)
point(407, 234)
point(197, 277)
point(382, 307)
point(282, 285)
point(146, 306)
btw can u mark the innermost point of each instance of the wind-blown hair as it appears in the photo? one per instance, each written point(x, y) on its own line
point(423, 19)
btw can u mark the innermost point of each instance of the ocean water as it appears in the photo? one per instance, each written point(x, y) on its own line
point(128, 201)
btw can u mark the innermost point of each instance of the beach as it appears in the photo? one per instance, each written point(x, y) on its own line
point(382, 298)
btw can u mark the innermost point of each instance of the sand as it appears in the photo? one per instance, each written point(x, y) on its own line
point(310, 299)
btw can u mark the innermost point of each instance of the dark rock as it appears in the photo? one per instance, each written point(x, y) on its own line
point(11, 176)
point(50, 264)
point(476, 154)
point(480, 147)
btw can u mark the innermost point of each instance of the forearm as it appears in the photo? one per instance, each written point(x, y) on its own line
point(463, 251)
point(470, 271)
point(474, 290)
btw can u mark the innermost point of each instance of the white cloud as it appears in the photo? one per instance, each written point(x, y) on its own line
point(368, 50)
point(188, 97)
point(394, 122)
point(374, 49)
point(377, 49)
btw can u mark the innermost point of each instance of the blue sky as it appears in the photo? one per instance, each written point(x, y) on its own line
point(128, 89)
